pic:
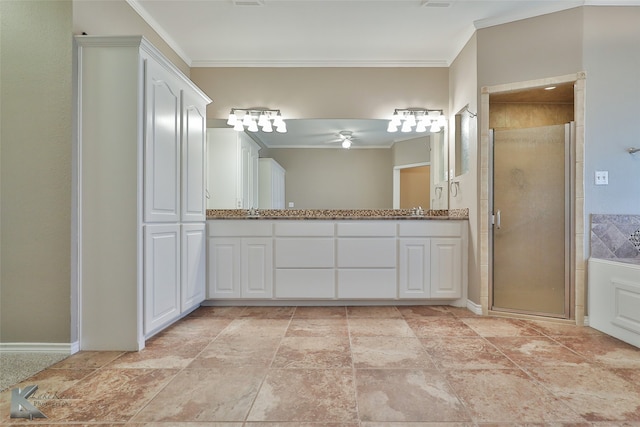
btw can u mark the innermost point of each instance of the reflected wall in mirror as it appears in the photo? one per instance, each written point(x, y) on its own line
point(320, 174)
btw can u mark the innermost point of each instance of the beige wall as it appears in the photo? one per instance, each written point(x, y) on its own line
point(335, 178)
point(463, 91)
point(35, 219)
point(411, 151)
point(333, 93)
point(117, 18)
point(545, 46)
point(612, 63)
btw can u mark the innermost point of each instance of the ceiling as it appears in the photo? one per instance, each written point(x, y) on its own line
point(333, 33)
point(213, 33)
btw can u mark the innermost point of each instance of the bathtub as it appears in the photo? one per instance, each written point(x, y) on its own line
point(614, 298)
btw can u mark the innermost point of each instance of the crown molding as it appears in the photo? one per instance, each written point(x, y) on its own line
point(320, 63)
point(140, 10)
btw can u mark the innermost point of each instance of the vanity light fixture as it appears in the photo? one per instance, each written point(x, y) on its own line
point(253, 118)
point(420, 118)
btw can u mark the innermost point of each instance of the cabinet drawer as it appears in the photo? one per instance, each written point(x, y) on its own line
point(240, 228)
point(367, 228)
point(305, 283)
point(304, 253)
point(304, 228)
point(367, 283)
point(431, 228)
point(367, 252)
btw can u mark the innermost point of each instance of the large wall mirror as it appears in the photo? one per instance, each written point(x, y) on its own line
point(321, 174)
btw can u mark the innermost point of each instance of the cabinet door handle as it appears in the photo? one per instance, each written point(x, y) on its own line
point(498, 219)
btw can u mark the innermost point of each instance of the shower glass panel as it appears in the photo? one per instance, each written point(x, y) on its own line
point(530, 256)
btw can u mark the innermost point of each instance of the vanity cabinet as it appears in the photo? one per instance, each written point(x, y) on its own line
point(240, 260)
point(431, 260)
point(304, 260)
point(323, 260)
point(366, 259)
point(139, 201)
point(271, 184)
point(233, 169)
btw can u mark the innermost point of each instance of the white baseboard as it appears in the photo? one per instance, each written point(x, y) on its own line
point(39, 347)
point(474, 308)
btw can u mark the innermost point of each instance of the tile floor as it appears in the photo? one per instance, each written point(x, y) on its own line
point(346, 367)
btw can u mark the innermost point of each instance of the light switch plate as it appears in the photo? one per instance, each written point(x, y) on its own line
point(602, 177)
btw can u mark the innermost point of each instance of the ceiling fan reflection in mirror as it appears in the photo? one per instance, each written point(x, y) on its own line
point(345, 137)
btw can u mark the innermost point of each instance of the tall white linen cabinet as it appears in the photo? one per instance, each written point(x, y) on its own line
point(139, 192)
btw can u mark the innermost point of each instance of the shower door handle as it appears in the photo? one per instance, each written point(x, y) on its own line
point(497, 221)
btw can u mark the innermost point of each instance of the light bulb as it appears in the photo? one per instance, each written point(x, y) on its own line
point(406, 126)
point(238, 126)
point(278, 121)
point(282, 127)
point(392, 127)
point(232, 119)
point(262, 119)
point(253, 126)
point(395, 120)
point(411, 119)
point(346, 143)
point(420, 127)
point(247, 119)
point(267, 126)
point(434, 127)
point(442, 121)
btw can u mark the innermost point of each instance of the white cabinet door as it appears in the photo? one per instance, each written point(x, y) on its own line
point(162, 145)
point(224, 268)
point(446, 268)
point(414, 275)
point(257, 267)
point(194, 125)
point(162, 276)
point(194, 265)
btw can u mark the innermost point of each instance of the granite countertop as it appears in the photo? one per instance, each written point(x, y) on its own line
point(339, 214)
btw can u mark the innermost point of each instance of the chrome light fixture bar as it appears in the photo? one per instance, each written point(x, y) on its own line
point(406, 119)
point(251, 118)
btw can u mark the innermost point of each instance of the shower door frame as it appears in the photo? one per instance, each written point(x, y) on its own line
point(578, 287)
point(569, 247)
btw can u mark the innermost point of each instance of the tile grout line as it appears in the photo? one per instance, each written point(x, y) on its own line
point(268, 370)
point(179, 371)
point(523, 369)
point(353, 367)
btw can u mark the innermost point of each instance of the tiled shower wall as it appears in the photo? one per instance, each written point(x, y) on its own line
point(615, 237)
